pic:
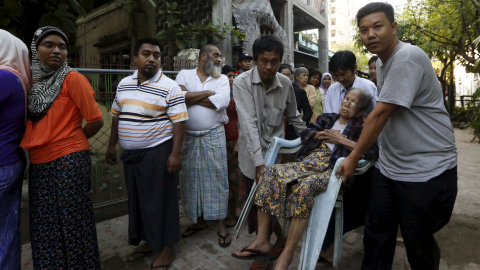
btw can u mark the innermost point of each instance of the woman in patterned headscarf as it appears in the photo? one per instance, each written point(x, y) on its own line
point(62, 228)
point(14, 85)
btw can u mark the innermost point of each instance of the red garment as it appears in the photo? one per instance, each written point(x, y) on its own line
point(231, 129)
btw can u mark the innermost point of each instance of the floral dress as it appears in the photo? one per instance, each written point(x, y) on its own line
point(289, 190)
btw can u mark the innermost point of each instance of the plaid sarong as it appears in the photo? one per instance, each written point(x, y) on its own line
point(204, 174)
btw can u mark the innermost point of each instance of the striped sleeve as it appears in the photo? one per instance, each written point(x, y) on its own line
point(177, 109)
point(116, 108)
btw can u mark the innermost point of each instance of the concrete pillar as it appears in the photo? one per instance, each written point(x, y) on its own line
point(222, 13)
point(286, 21)
point(323, 48)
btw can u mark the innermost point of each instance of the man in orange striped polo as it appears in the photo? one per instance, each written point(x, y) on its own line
point(149, 113)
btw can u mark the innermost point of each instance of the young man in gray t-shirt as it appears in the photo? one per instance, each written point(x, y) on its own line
point(414, 184)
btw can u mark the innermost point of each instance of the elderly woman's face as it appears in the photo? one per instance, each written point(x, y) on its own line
point(52, 51)
point(302, 78)
point(351, 105)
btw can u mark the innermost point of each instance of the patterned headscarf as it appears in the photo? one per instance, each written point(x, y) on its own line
point(321, 81)
point(47, 81)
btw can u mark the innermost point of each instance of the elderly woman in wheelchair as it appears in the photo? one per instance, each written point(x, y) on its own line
point(288, 190)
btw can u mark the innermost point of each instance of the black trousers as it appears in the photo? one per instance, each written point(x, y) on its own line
point(421, 209)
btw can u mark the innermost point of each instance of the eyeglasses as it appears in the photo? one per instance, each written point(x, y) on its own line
point(51, 46)
point(349, 102)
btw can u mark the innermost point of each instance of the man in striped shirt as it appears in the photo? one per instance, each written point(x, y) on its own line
point(149, 113)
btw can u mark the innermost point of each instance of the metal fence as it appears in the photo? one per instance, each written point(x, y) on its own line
point(108, 184)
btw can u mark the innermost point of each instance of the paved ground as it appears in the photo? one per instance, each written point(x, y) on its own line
point(458, 240)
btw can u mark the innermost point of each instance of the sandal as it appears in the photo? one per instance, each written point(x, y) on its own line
point(224, 238)
point(192, 230)
point(253, 266)
point(166, 266)
point(256, 255)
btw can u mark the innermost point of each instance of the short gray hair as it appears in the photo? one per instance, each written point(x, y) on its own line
point(366, 98)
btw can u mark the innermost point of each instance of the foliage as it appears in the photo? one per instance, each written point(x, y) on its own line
point(474, 124)
point(22, 18)
point(446, 27)
point(185, 34)
point(309, 37)
point(360, 54)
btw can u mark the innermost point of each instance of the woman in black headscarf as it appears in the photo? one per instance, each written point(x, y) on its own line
point(62, 227)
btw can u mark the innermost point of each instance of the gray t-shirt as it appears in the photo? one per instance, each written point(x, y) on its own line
point(417, 143)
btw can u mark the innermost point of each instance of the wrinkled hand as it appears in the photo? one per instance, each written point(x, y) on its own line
point(347, 168)
point(111, 155)
point(174, 163)
point(258, 170)
point(330, 136)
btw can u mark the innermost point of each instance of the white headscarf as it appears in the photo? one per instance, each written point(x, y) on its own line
point(14, 58)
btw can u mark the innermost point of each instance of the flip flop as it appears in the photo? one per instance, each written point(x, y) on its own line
point(253, 267)
point(193, 230)
point(224, 238)
point(136, 252)
point(256, 255)
point(276, 253)
point(166, 266)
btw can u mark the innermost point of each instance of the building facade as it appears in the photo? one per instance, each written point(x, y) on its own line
point(106, 35)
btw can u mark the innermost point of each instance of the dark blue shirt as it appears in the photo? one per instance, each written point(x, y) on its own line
point(12, 117)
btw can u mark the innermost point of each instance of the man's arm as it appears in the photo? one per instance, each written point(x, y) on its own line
point(174, 162)
point(247, 121)
point(111, 154)
point(192, 98)
point(374, 124)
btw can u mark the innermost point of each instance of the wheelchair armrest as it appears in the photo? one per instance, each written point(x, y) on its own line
point(278, 143)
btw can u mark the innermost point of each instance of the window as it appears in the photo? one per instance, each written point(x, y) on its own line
point(332, 33)
point(333, 21)
point(332, 10)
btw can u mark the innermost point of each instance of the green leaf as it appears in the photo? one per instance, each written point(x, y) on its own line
point(180, 44)
point(153, 3)
point(162, 36)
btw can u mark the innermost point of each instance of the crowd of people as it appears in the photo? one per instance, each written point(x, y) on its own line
point(212, 125)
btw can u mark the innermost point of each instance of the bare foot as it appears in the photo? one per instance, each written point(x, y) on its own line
point(263, 247)
point(284, 261)
point(139, 252)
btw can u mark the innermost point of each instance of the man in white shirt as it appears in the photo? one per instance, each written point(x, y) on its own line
point(343, 67)
point(204, 177)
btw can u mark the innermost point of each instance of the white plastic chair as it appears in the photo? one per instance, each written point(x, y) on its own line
point(322, 210)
